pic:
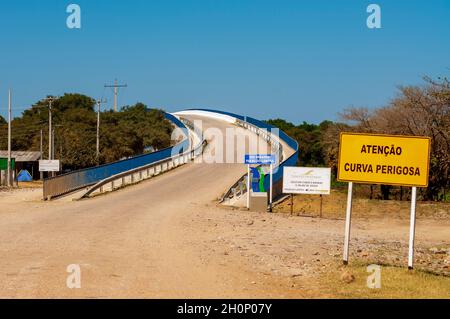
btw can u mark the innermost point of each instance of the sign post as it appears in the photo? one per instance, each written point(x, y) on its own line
point(248, 186)
point(348, 222)
point(260, 159)
point(384, 160)
point(321, 206)
point(412, 229)
point(271, 188)
point(308, 181)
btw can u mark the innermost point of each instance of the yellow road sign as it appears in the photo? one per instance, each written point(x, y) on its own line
point(384, 159)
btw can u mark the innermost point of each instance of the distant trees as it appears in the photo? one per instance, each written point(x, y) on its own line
point(132, 130)
point(122, 134)
point(420, 111)
point(309, 137)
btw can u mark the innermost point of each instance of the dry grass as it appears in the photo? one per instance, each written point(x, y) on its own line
point(34, 184)
point(334, 206)
point(396, 283)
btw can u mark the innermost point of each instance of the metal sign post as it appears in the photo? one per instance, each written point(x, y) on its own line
point(248, 186)
point(348, 222)
point(271, 188)
point(385, 160)
point(412, 229)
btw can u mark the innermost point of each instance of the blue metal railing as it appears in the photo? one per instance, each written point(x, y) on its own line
point(67, 183)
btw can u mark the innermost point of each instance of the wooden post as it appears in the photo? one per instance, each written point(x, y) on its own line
point(321, 205)
point(292, 204)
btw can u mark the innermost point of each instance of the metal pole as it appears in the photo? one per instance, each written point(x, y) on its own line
point(9, 181)
point(248, 186)
point(53, 143)
point(53, 148)
point(412, 229)
point(50, 129)
point(271, 187)
point(98, 129)
point(348, 222)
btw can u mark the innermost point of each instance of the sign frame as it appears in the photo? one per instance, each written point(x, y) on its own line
point(342, 134)
point(50, 162)
point(271, 162)
point(328, 172)
point(412, 228)
point(271, 159)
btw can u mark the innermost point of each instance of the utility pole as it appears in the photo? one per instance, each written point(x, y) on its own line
point(53, 143)
point(42, 154)
point(116, 86)
point(9, 181)
point(99, 103)
point(50, 101)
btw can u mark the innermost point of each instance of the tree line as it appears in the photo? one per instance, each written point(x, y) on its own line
point(415, 110)
point(132, 131)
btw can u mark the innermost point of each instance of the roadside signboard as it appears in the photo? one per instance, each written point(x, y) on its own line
point(388, 160)
point(49, 166)
point(384, 159)
point(4, 164)
point(260, 159)
point(307, 180)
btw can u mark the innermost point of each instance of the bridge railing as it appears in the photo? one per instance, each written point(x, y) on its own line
point(145, 172)
point(74, 181)
point(265, 130)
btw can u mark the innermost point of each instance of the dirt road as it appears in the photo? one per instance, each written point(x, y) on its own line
point(133, 243)
point(168, 238)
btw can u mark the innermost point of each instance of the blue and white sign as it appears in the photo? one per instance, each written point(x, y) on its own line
point(260, 159)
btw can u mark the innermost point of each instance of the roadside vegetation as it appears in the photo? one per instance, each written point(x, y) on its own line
point(131, 131)
point(334, 206)
point(396, 283)
point(416, 110)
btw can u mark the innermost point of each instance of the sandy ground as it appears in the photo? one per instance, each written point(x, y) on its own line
point(168, 238)
point(200, 251)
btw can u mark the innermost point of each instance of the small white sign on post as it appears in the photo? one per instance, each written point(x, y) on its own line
point(307, 180)
point(49, 166)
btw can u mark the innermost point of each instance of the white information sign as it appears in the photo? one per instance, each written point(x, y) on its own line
point(307, 180)
point(49, 166)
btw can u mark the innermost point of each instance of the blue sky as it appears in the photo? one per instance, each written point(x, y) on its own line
point(298, 60)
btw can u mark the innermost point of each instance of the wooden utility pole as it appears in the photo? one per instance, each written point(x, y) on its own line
point(116, 86)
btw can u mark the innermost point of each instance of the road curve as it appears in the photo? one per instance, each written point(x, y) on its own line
point(140, 242)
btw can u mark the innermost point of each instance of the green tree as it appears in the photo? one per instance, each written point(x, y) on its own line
point(123, 134)
point(309, 138)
